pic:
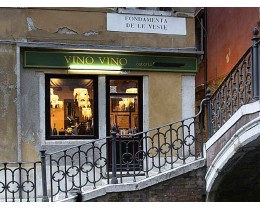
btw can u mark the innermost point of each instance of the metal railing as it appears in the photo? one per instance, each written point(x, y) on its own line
point(19, 181)
point(159, 149)
point(234, 92)
point(77, 167)
point(240, 87)
point(134, 157)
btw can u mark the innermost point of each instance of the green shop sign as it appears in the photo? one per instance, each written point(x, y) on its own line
point(108, 61)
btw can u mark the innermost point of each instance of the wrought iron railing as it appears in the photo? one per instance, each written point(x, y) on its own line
point(159, 149)
point(240, 87)
point(134, 157)
point(234, 92)
point(78, 167)
point(19, 181)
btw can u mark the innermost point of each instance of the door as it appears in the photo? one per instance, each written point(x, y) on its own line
point(124, 110)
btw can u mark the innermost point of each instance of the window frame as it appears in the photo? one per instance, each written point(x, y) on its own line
point(47, 107)
point(139, 94)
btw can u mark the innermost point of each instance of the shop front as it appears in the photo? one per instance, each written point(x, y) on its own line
point(79, 95)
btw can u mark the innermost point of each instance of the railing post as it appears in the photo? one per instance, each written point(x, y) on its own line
point(209, 110)
point(114, 178)
point(44, 177)
point(255, 65)
point(258, 63)
point(201, 123)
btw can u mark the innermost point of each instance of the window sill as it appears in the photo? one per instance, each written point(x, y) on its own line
point(68, 141)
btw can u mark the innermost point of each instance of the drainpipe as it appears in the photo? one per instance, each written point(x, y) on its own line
point(205, 52)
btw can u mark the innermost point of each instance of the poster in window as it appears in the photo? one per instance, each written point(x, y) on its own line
point(122, 121)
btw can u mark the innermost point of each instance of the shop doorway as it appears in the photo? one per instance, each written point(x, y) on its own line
point(125, 111)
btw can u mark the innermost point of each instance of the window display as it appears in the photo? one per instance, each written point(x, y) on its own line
point(71, 108)
point(124, 105)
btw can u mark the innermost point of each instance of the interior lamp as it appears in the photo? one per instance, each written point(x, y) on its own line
point(54, 99)
point(81, 94)
point(86, 113)
point(126, 102)
point(131, 90)
point(82, 97)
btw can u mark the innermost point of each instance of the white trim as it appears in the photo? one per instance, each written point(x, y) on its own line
point(145, 108)
point(188, 96)
point(244, 110)
point(188, 107)
point(42, 106)
point(101, 113)
point(18, 104)
point(102, 106)
point(145, 103)
point(242, 137)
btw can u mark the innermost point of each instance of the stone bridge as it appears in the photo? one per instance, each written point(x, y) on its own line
point(232, 151)
point(233, 158)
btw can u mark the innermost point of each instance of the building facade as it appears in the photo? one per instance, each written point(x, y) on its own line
point(68, 75)
point(230, 68)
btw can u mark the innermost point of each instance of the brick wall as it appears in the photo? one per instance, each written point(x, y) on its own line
point(184, 188)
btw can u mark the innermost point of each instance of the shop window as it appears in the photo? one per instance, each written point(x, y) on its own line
point(71, 107)
point(124, 96)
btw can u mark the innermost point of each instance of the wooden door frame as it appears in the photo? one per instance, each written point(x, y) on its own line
point(108, 108)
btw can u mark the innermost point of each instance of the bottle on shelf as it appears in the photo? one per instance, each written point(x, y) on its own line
point(54, 131)
point(130, 131)
point(135, 130)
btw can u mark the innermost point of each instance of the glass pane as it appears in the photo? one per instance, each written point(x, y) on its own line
point(123, 103)
point(124, 113)
point(71, 107)
point(123, 86)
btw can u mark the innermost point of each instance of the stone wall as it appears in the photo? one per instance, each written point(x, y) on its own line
point(8, 102)
point(188, 187)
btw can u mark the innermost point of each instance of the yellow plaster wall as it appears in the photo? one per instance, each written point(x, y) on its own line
point(29, 152)
point(164, 98)
point(84, 26)
point(164, 95)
